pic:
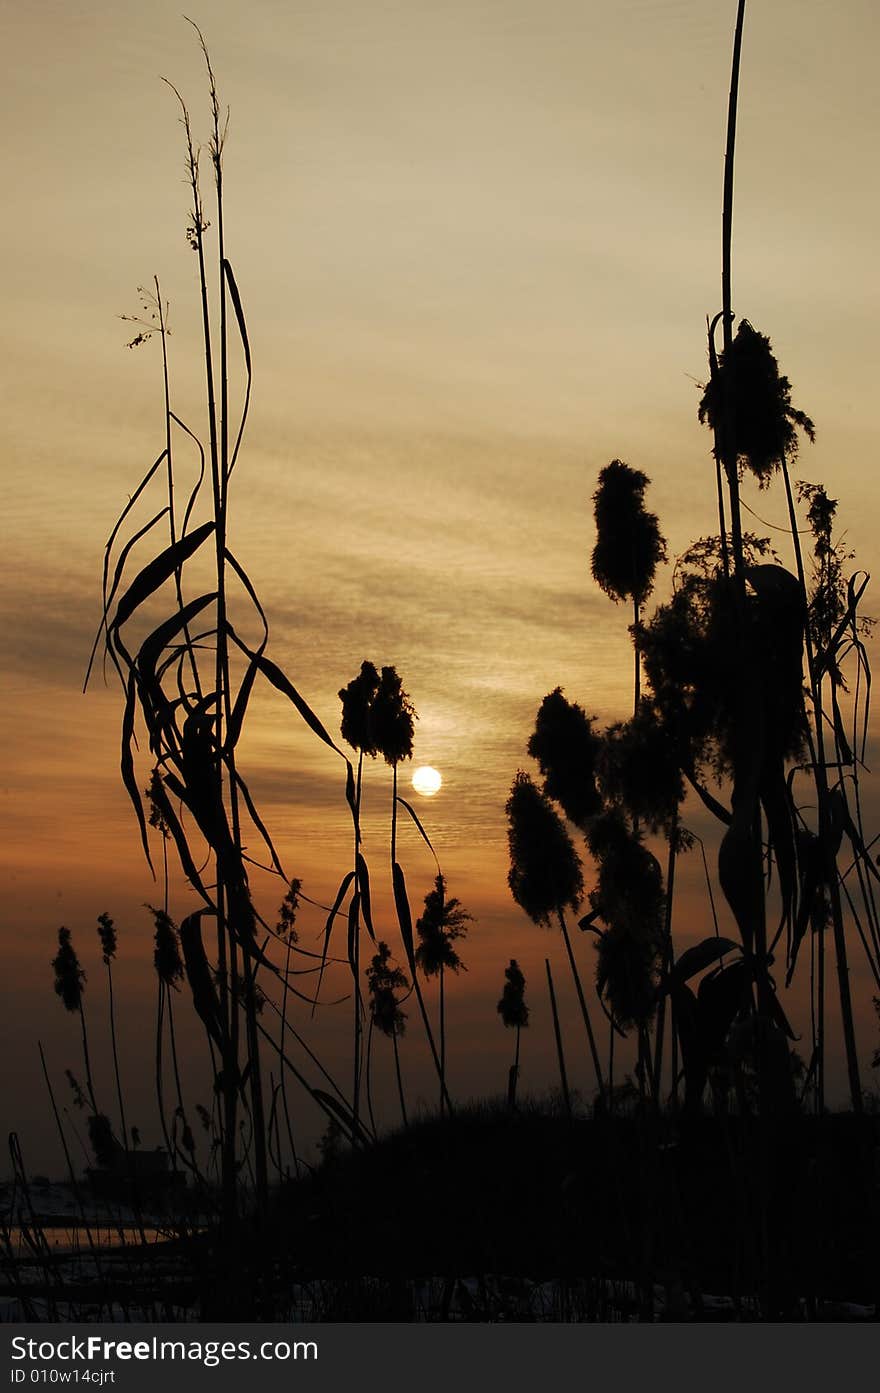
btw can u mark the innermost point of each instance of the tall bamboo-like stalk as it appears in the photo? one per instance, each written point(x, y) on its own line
point(194, 720)
point(746, 806)
point(727, 452)
point(744, 836)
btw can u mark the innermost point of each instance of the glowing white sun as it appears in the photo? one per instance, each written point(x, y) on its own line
point(426, 780)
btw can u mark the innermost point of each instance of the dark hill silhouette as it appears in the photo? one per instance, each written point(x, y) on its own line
point(530, 1194)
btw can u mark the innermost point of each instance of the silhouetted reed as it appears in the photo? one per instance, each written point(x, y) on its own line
point(545, 875)
point(386, 1013)
point(190, 681)
point(107, 937)
point(379, 718)
point(723, 663)
point(718, 707)
point(70, 981)
point(628, 897)
point(442, 922)
point(567, 749)
point(514, 1014)
point(287, 931)
point(746, 382)
point(629, 544)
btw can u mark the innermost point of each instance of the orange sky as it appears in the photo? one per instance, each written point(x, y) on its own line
point(477, 244)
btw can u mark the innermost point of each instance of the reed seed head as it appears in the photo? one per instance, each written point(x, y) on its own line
point(69, 976)
point(166, 954)
point(566, 748)
point(545, 870)
point(392, 718)
point(357, 699)
point(629, 545)
point(748, 383)
point(79, 1099)
point(286, 925)
point(383, 982)
point(442, 922)
point(512, 1007)
point(107, 935)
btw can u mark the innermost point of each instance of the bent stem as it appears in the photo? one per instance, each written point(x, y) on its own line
point(594, 1053)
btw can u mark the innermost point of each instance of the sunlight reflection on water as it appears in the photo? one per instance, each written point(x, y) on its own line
point(76, 1238)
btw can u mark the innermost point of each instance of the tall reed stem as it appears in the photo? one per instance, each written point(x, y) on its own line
point(594, 1053)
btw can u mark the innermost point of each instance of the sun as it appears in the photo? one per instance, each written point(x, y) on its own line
point(426, 780)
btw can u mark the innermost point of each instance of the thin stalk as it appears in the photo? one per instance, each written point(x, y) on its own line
point(169, 457)
point(423, 1010)
point(274, 1157)
point(175, 1066)
point(667, 961)
point(814, 1035)
point(637, 678)
point(831, 874)
point(399, 1077)
point(820, 1010)
point(749, 723)
point(560, 1053)
point(301, 1079)
point(846, 1011)
point(356, 946)
point(369, 1080)
point(727, 453)
point(226, 973)
point(514, 1073)
point(611, 1034)
point(442, 1039)
point(250, 1006)
point(594, 1053)
point(116, 1057)
point(875, 972)
point(160, 1084)
point(74, 1186)
point(284, 995)
point(86, 1058)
